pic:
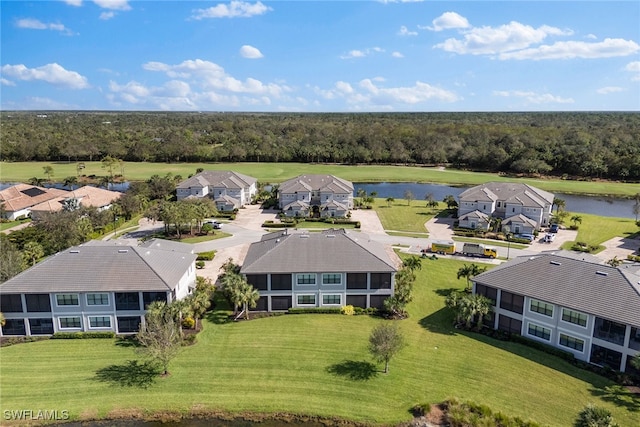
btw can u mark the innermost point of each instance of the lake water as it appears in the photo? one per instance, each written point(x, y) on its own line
point(601, 206)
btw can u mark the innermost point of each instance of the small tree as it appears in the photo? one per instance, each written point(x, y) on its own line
point(160, 337)
point(385, 342)
point(408, 195)
point(450, 200)
point(635, 361)
point(576, 219)
point(32, 252)
point(469, 271)
point(412, 263)
point(390, 201)
point(614, 262)
point(431, 202)
point(48, 170)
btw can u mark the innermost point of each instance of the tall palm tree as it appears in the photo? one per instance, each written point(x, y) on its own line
point(576, 219)
point(32, 252)
point(469, 271)
point(412, 263)
point(559, 203)
point(249, 298)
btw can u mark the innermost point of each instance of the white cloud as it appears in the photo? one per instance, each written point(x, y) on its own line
point(634, 68)
point(5, 82)
point(113, 4)
point(344, 87)
point(397, 54)
point(404, 31)
point(105, 16)
point(73, 2)
point(609, 89)
point(533, 97)
point(196, 84)
point(505, 38)
point(361, 53)
point(234, 9)
point(50, 73)
point(35, 24)
point(250, 52)
point(576, 49)
point(448, 20)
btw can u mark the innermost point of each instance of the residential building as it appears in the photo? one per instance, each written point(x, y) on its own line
point(569, 301)
point(331, 268)
point(229, 190)
point(522, 208)
point(20, 198)
point(86, 196)
point(316, 195)
point(98, 286)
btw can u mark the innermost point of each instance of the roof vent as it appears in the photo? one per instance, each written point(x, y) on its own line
point(277, 240)
point(123, 251)
point(602, 273)
point(74, 252)
point(304, 236)
point(331, 235)
point(554, 263)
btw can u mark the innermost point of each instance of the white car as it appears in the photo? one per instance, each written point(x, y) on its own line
point(549, 237)
point(214, 224)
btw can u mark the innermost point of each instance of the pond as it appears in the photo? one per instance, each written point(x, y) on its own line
point(595, 205)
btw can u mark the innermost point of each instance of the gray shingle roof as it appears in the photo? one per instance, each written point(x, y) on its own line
point(103, 267)
point(330, 250)
point(583, 285)
point(317, 183)
point(226, 179)
point(525, 193)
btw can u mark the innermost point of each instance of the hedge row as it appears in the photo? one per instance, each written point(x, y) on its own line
point(82, 335)
point(314, 310)
point(205, 256)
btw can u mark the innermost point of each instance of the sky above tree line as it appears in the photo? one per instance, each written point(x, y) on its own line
point(320, 56)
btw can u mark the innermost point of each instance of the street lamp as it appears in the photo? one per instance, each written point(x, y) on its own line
point(507, 232)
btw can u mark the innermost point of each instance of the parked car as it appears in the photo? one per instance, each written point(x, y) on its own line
point(529, 237)
point(549, 237)
point(554, 228)
point(214, 224)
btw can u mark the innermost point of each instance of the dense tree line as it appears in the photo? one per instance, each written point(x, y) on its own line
point(580, 144)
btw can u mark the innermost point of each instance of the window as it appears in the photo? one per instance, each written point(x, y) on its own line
point(38, 303)
point(539, 331)
point(98, 299)
point(41, 326)
point(609, 331)
point(380, 280)
point(331, 278)
point(634, 339)
point(127, 301)
point(99, 321)
point(258, 281)
point(357, 300)
point(356, 280)
point(574, 317)
point(306, 299)
point(508, 324)
point(332, 299)
point(306, 279)
point(149, 297)
point(14, 327)
point(281, 282)
point(571, 342)
point(69, 322)
point(11, 303)
point(67, 299)
point(487, 291)
point(128, 324)
point(280, 303)
point(605, 357)
point(541, 307)
point(511, 302)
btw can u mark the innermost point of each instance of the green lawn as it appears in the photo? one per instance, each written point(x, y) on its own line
point(278, 172)
point(314, 364)
point(197, 239)
point(594, 230)
point(401, 216)
point(10, 224)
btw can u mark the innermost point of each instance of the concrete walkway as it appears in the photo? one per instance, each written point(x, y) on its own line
point(619, 247)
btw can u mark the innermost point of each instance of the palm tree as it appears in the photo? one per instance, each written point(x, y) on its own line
point(450, 200)
point(576, 219)
point(559, 203)
point(48, 170)
point(32, 252)
point(70, 181)
point(412, 263)
point(3, 321)
point(249, 297)
point(469, 271)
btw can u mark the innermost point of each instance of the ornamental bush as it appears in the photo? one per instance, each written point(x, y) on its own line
point(348, 310)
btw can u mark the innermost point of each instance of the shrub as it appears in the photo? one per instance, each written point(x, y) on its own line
point(188, 323)
point(206, 256)
point(634, 258)
point(314, 310)
point(82, 335)
point(189, 340)
point(593, 416)
point(421, 409)
point(348, 310)
point(199, 264)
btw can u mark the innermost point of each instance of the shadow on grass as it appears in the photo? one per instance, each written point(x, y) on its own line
point(131, 374)
point(127, 341)
point(439, 322)
point(218, 317)
point(354, 370)
point(619, 396)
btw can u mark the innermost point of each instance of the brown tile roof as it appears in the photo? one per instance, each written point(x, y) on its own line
point(22, 196)
point(89, 197)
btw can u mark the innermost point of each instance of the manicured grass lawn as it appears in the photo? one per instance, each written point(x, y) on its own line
point(278, 172)
point(218, 235)
point(594, 230)
point(315, 364)
point(401, 216)
point(11, 224)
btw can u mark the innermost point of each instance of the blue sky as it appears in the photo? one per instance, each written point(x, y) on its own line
point(320, 56)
